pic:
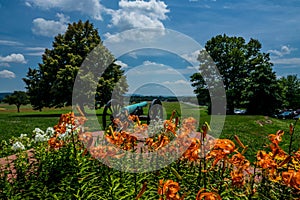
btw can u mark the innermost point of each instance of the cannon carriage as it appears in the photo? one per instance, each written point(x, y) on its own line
point(114, 109)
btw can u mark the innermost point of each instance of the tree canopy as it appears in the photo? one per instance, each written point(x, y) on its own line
point(246, 73)
point(51, 85)
point(290, 86)
point(17, 98)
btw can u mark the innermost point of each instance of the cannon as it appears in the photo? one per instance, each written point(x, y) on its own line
point(113, 109)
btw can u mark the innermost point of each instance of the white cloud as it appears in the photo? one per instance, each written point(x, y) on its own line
point(284, 50)
point(287, 61)
point(192, 57)
point(123, 65)
point(139, 14)
point(50, 28)
point(35, 51)
point(7, 74)
point(10, 43)
point(28, 4)
point(92, 8)
point(13, 58)
point(177, 82)
point(148, 62)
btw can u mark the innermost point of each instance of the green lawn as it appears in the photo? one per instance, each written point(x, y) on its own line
point(13, 123)
point(252, 130)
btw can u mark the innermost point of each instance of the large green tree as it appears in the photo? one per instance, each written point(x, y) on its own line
point(236, 61)
point(17, 98)
point(262, 92)
point(51, 85)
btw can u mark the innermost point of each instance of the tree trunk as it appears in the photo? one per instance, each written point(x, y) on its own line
point(18, 107)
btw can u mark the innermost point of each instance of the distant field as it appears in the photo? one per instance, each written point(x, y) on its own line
point(252, 130)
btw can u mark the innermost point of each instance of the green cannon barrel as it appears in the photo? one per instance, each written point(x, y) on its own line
point(131, 108)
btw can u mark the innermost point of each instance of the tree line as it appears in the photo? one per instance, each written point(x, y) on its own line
point(245, 70)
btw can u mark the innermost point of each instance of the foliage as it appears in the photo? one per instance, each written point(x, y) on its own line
point(62, 168)
point(51, 85)
point(262, 92)
point(238, 63)
point(290, 86)
point(17, 98)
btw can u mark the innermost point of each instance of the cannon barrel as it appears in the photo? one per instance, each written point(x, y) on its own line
point(131, 108)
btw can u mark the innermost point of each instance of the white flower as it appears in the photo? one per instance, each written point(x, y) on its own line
point(50, 131)
point(23, 135)
point(38, 130)
point(17, 146)
point(40, 137)
point(63, 136)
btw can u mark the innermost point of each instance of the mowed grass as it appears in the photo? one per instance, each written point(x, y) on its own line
point(14, 124)
point(252, 130)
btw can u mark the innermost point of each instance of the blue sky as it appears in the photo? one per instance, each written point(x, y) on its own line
point(29, 26)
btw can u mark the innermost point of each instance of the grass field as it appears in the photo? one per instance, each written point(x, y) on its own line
point(252, 130)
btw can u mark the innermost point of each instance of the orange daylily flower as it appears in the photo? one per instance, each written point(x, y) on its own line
point(105, 152)
point(226, 145)
point(122, 139)
point(265, 161)
point(276, 138)
point(221, 149)
point(192, 153)
point(171, 126)
point(202, 195)
point(297, 155)
point(237, 178)
point(54, 143)
point(86, 138)
point(169, 188)
point(239, 161)
point(162, 141)
point(292, 178)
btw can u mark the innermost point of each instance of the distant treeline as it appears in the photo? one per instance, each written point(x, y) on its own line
point(137, 98)
point(2, 95)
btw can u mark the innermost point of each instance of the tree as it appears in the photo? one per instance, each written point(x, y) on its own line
point(17, 98)
point(51, 85)
point(35, 91)
point(262, 91)
point(236, 60)
point(290, 86)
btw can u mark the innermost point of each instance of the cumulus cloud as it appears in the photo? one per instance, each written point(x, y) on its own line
point(13, 58)
point(7, 74)
point(284, 50)
point(92, 8)
point(50, 28)
point(139, 14)
point(192, 57)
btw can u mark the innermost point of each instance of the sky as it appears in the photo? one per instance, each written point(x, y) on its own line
point(29, 26)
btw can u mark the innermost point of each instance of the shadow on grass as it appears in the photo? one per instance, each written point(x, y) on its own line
point(38, 115)
point(47, 115)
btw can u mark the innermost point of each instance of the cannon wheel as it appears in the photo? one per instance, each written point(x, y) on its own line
point(111, 110)
point(155, 111)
